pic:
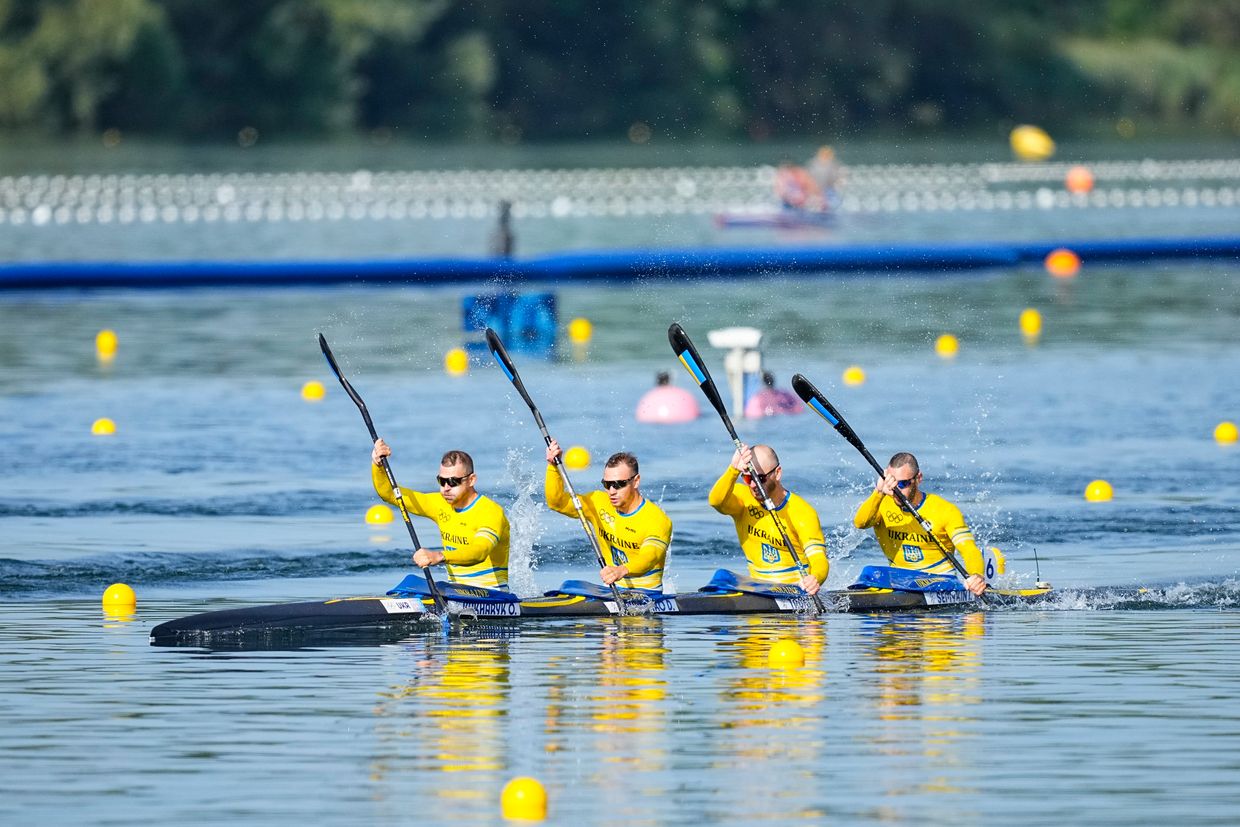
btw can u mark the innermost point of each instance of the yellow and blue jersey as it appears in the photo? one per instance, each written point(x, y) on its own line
point(764, 548)
point(907, 545)
point(638, 539)
point(475, 538)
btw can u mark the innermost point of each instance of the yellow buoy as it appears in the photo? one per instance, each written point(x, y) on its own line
point(1225, 433)
point(313, 391)
point(1031, 143)
point(524, 799)
point(1062, 263)
point(379, 514)
point(103, 427)
point(1098, 491)
point(105, 345)
point(576, 458)
point(1030, 323)
point(456, 362)
point(1079, 180)
point(854, 375)
point(580, 331)
point(786, 653)
point(947, 346)
point(119, 598)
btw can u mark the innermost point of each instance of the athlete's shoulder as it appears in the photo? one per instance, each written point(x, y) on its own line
point(939, 505)
point(798, 503)
point(657, 514)
point(490, 507)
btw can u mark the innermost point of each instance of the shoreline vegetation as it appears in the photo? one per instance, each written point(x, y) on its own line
point(507, 72)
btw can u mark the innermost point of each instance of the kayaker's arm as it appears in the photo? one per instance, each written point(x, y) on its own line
point(960, 536)
point(556, 495)
point(867, 512)
point(415, 503)
point(807, 529)
point(475, 551)
point(723, 495)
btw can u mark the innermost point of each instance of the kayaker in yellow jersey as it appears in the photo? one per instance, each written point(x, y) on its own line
point(473, 526)
point(633, 533)
point(768, 556)
point(901, 537)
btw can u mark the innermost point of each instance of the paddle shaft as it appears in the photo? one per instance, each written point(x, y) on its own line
point(510, 370)
point(683, 347)
point(814, 398)
point(440, 603)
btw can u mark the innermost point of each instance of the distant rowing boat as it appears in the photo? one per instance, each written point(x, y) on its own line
point(779, 218)
point(406, 605)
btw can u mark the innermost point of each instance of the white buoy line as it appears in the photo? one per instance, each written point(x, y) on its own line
point(474, 194)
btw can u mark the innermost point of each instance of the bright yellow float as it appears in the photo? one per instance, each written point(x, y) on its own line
point(524, 799)
point(854, 375)
point(313, 391)
point(1099, 491)
point(576, 458)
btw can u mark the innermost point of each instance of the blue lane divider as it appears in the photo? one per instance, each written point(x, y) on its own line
point(609, 265)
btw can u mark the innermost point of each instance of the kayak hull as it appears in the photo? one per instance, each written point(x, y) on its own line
point(398, 614)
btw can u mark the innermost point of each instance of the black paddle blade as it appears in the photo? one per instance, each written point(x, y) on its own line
point(814, 398)
point(344, 383)
point(688, 356)
point(496, 346)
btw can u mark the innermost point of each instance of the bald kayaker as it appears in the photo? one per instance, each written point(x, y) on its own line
point(473, 526)
point(633, 532)
point(769, 558)
point(901, 537)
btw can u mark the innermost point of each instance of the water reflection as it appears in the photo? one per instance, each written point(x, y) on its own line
point(757, 695)
point(925, 689)
point(447, 716)
point(770, 731)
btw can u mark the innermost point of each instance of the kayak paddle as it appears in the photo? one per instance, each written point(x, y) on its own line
point(813, 397)
point(510, 370)
point(688, 355)
point(440, 605)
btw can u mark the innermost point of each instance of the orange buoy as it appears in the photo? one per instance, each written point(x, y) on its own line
point(1079, 180)
point(1062, 263)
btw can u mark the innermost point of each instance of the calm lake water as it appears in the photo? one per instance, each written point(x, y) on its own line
point(1108, 705)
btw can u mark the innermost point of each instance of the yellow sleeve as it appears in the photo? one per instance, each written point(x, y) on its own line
point(653, 550)
point(867, 512)
point(417, 504)
point(556, 494)
point(722, 498)
point(479, 547)
point(808, 530)
point(961, 536)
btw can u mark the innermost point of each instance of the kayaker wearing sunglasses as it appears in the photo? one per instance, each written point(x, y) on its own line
point(768, 556)
point(633, 532)
point(902, 539)
point(473, 526)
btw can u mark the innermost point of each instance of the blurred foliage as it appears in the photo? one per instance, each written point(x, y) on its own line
point(551, 69)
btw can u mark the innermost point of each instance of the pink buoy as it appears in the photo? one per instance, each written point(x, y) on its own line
point(666, 403)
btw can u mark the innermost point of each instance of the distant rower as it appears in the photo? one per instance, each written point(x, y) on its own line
point(769, 559)
point(900, 535)
point(473, 526)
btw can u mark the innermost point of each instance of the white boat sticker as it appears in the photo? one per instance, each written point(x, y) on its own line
point(485, 609)
point(794, 604)
point(943, 598)
point(611, 606)
point(666, 604)
point(402, 606)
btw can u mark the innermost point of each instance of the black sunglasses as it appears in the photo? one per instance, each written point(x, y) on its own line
point(761, 477)
point(451, 482)
point(618, 484)
point(902, 484)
